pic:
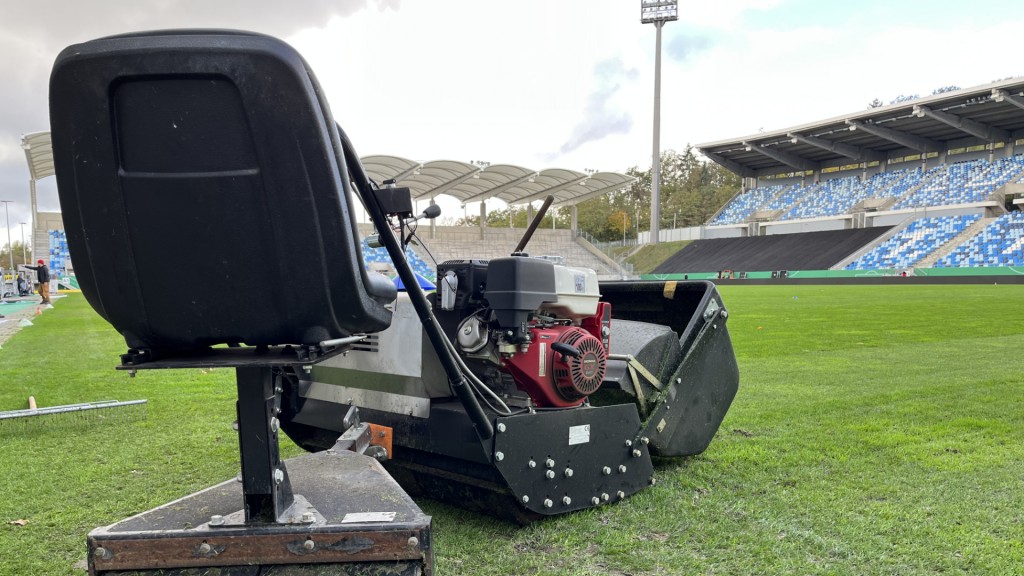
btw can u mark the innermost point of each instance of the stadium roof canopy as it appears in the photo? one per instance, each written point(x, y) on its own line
point(462, 180)
point(972, 116)
point(474, 183)
point(39, 154)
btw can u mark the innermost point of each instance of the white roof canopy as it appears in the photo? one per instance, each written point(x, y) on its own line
point(463, 181)
point(39, 154)
point(512, 184)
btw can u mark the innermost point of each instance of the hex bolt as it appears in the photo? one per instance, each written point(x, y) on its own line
point(100, 553)
point(629, 443)
point(567, 501)
point(501, 426)
point(234, 425)
point(308, 517)
point(605, 497)
point(550, 474)
point(620, 494)
point(499, 456)
point(549, 463)
point(606, 470)
point(309, 544)
point(275, 424)
point(637, 453)
point(622, 468)
point(205, 548)
point(307, 369)
point(413, 542)
point(278, 476)
point(278, 389)
point(548, 503)
point(238, 477)
point(526, 499)
point(645, 440)
point(595, 501)
point(531, 464)
point(709, 314)
point(216, 520)
point(568, 472)
point(724, 313)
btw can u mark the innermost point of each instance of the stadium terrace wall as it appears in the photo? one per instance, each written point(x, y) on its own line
point(1005, 275)
point(808, 251)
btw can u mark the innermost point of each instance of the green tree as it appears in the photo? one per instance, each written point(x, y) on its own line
point(692, 190)
point(5, 259)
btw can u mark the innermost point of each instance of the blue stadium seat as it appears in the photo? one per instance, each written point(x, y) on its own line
point(380, 255)
point(1001, 243)
point(922, 237)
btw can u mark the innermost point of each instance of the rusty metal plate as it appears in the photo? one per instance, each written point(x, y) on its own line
point(179, 536)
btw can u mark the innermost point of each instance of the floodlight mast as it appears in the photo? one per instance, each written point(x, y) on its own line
point(10, 248)
point(24, 255)
point(657, 12)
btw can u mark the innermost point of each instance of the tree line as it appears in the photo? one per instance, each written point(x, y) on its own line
point(692, 190)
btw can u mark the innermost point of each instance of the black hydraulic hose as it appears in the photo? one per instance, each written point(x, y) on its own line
point(456, 379)
point(533, 225)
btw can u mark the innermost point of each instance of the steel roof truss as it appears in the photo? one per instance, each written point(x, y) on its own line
point(902, 138)
point(732, 165)
point(1004, 96)
point(986, 132)
point(793, 160)
point(850, 151)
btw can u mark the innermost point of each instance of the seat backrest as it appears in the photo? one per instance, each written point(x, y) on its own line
point(204, 193)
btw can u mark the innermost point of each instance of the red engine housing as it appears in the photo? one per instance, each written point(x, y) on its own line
point(553, 379)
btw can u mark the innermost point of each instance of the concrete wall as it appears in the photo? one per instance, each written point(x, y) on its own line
point(808, 225)
point(894, 217)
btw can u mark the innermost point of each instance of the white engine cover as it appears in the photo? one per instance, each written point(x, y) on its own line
point(577, 293)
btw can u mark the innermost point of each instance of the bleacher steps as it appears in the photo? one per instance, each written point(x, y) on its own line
point(459, 242)
point(968, 233)
point(869, 247)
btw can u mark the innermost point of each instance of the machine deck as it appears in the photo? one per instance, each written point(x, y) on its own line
point(364, 525)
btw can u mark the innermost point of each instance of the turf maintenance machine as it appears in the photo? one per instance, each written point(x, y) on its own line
point(519, 388)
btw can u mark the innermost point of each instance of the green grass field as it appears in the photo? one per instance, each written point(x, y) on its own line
point(878, 430)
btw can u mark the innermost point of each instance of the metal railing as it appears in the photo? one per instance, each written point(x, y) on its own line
point(608, 249)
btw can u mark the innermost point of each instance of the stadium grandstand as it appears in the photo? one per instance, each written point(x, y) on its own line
point(466, 182)
point(928, 187)
point(932, 186)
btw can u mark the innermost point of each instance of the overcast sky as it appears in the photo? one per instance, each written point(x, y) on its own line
point(545, 83)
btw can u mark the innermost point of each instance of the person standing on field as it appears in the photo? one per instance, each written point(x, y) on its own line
point(43, 277)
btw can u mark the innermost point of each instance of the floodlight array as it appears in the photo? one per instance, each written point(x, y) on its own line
point(658, 11)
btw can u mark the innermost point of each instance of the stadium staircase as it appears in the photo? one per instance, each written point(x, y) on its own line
point(872, 245)
point(464, 242)
point(968, 233)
